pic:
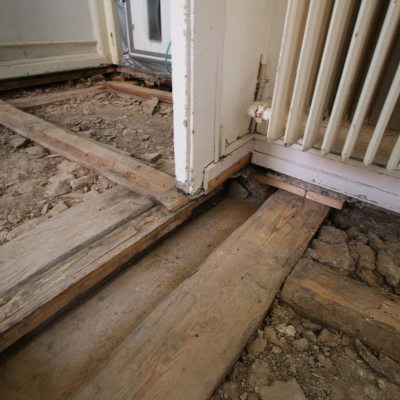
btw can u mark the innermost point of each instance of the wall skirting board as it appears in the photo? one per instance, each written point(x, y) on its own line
point(350, 179)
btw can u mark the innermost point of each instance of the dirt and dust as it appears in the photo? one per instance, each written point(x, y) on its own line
point(35, 184)
point(293, 358)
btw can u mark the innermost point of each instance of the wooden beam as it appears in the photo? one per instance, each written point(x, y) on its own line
point(53, 78)
point(38, 299)
point(190, 341)
point(32, 103)
point(126, 171)
point(139, 91)
point(317, 197)
point(323, 295)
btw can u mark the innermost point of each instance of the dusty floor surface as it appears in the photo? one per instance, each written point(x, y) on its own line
point(34, 185)
point(294, 358)
point(53, 362)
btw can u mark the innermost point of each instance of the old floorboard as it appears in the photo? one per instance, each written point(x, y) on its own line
point(39, 298)
point(324, 295)
point(189, 342)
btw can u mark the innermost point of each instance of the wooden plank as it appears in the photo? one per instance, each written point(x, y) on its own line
point(323, 295)
point(353, 61)
point(394, 158)
point(189, 342)
point(225, 175)
point(44, 295)
point(32, 103)
point(58, 238)
point(121, 169)
point(140, 91)
point(328, 201)
point(378, 63)
point(173, 200)
point(279, 184)
point(52, 78)
point(335, 40)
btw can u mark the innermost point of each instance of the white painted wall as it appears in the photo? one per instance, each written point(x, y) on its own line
point(50, 35)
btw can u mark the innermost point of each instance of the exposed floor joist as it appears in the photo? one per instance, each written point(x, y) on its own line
point(335, 300)
point(47, 284)
point(190, 341)
point(124, 170)
point(139, 91)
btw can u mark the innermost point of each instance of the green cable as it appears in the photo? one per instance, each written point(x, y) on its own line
point(166, 58)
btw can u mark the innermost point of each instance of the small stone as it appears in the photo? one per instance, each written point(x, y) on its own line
point(259, 373)
point(57, 189)
point(37, 151)
point(381, 384)
point(150, 157)
point(149, 106)
point(332, 235)
point(128, 132)
point(257, 347)
point(282, 391)
point(280, 328)
point(80, 183)
point(120, 127)
point(366, 257)
point(59, 208)
point(300, 344)
point(144, 138)
point(375, 242)
point(243, 396)
point(328, 338)
point(45, 209)
point(325, 362)
point(276, 350)
point(19, 142)
point(310, 336)
point(356, 234)
point(311, 326)
point(237, 191)
point(336, 256)
point(14, 218)
point(270, 335)
point(89, 195)
point(290, 331)
point(388, 268)
point(231, 389)
point(67, 166)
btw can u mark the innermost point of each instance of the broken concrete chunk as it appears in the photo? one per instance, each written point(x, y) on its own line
point(149, 106)
point(231, 390)
point(282, 391)
point(57, 189)
point(80, 183)
point(366, 256)
point(150, 157)
point(336, 256)
point(19, 142)
point(67, 166)
point(388, 268)
point(259, 374)
point(332, 235)
point(37, 151)
point(356, 234)
point(237, 191)
point(328, 338)
point(59, 208)
point(375, 242)
point(310, 336)
point(300, 344)
point(45, 209)
point(257, 347)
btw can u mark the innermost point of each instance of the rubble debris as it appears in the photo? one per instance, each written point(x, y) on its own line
point(282, 391)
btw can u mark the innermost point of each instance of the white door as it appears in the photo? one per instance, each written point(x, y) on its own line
point(43, 36)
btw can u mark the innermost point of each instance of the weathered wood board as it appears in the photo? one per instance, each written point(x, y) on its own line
point(42, 296)
point(189, 342)
point(126, 171)
point(335, 300)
